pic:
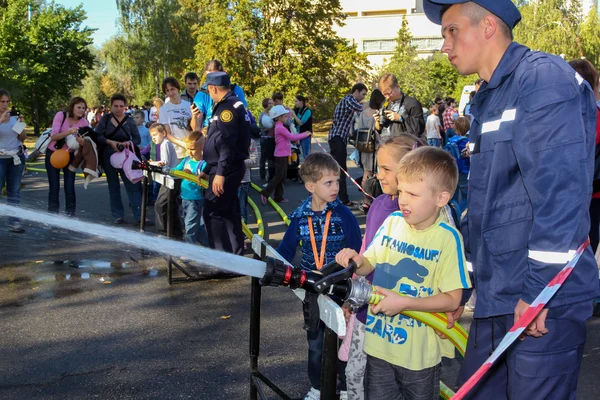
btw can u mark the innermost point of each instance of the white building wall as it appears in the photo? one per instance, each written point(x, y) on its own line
point(373, 26)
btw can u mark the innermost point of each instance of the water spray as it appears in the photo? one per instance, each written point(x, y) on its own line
point(213, 258)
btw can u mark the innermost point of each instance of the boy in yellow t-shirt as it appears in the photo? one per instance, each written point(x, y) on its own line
point(416, 254)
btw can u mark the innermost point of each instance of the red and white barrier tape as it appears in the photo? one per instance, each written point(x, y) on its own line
point(346, 172)
point(534, 309)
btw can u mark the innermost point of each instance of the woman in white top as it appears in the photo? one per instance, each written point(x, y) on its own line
point(12, 157)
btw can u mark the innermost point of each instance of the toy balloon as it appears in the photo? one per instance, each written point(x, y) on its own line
point(60, 159)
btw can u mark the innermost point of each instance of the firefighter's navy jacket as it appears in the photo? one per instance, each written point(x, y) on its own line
point(228, 137)
point(532, 140)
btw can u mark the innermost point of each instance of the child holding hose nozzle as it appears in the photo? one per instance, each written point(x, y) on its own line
point(416, 254)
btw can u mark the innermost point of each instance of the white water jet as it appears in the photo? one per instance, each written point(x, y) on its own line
point(209, 257)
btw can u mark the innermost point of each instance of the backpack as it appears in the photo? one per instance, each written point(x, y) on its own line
point(455, 146)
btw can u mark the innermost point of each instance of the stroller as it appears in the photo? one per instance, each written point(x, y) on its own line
point(293, 170)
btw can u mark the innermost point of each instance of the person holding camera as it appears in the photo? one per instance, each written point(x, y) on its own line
point(116, 129)
point(402, 114)
point(64, 125)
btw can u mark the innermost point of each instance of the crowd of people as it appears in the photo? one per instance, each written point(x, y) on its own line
point(496, 197)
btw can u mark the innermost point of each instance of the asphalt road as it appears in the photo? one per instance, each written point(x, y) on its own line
point(83, 318)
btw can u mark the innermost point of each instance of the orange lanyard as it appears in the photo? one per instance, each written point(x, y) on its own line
point(319, 260)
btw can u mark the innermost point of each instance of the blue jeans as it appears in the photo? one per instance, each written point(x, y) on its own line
point(11, 174)
point(134, 190)
point(388, 381)
point(243, 196)
point(433, 142)
point(195, 231)
point(54, 184)
point(315, 356)
point(305, 147)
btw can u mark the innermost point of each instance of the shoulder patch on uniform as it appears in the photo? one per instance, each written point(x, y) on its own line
point(238, 104)
point(226, 116)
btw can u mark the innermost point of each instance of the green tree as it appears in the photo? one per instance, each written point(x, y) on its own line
point(290, 46)
point(155, 42)
point(424, 78)
point(42, 60)
point(590, 37)
point(551, 26)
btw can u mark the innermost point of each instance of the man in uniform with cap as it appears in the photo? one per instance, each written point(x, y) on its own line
point(225, 150)
point(529, 192)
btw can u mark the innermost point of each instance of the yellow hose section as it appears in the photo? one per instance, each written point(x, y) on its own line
point(457, 335)
point(259, 221)
point(445, 392)
point(281, 213)
point(44, 170)
point(204, 184)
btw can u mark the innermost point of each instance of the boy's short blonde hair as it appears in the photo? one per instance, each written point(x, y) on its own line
point(432, 165)
point(316, 164)
point(194, 137)
point(160, 128)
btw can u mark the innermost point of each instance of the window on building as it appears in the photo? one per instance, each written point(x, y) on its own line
point(387, 45)
point(383, 13)
point(427, 44)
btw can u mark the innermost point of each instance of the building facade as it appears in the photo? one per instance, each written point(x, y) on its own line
point(373, 26)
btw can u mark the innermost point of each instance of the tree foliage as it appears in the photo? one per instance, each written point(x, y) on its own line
point(423, 78)
point(42, 60)
point(287, 46)
point(553, 26)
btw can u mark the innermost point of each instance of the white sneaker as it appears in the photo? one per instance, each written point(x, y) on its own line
point(343, 395)
point(313, 394)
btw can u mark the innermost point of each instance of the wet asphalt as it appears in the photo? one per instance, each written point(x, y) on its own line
point(83, 318)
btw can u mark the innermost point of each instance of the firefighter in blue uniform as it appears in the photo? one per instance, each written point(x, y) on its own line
point(532, 157)
point(225, 150)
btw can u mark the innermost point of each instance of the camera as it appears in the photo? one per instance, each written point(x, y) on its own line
point(381, 116)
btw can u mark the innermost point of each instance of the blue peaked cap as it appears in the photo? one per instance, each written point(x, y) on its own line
point(503, 9)
point(218, 79)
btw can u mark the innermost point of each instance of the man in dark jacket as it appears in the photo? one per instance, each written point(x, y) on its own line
point(529, 190)
point(404, 114)
point(225, 150)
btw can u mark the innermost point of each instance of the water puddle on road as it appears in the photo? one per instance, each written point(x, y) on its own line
point(56, 279)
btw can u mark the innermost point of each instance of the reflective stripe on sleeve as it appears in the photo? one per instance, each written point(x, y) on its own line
point(507, 116)
point(551, 257)
point(238, 104)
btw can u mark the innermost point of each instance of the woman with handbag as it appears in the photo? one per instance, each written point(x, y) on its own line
point(64, 125)
point(367, 140)
point(12, 157)
point(116, 132)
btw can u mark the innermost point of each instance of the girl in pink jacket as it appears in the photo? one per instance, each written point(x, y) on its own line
point(283, 149)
